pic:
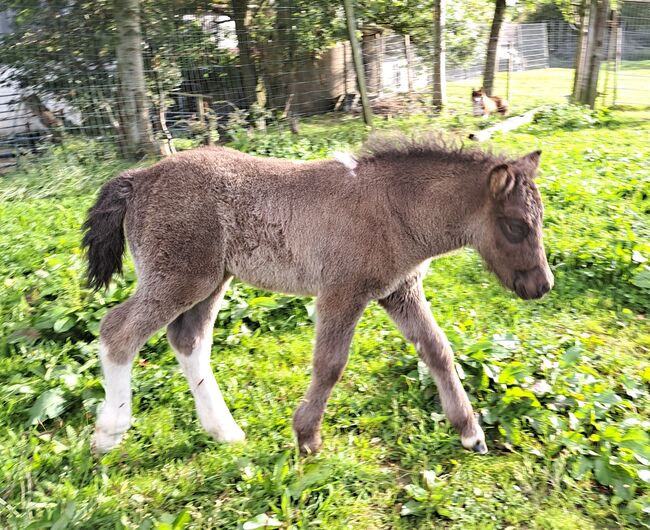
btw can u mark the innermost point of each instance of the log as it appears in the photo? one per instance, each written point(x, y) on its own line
point(507, 125)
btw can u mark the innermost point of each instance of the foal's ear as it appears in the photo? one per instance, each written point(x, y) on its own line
point(501, 181)
point(533, 158)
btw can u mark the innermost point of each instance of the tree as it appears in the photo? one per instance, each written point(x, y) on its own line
point(492, 57)
point(241, 16)
point(465, 24)
point(593, 18)
point(439, 55)
point(68, 49)
point(134, 109)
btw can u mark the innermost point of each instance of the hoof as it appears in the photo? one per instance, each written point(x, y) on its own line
point(231, 435)
point(311, 445)
point(102, 441)
point(475, 442)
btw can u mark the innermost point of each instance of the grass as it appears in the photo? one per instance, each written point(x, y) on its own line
point(574, 455)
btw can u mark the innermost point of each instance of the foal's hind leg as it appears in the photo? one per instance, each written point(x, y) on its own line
point(124, 330)
point(337, 316)
point(408, 308)
point(190, 335)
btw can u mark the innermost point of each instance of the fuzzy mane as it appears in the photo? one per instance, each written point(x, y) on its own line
point(395, 146)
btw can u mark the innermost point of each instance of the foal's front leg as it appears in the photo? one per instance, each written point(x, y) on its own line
point(337, 315)
point(408, 308)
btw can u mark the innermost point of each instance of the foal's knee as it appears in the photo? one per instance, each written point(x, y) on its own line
point(182, 338)
point(437, 354)
point(119, 334)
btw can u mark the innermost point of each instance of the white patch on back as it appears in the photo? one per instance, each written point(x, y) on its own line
point(348, 161)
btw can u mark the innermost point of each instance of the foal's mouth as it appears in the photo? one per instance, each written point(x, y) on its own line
point(527, 292)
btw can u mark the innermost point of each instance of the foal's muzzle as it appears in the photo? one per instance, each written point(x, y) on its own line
point(533, 284)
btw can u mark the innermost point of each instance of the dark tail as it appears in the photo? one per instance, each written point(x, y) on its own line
point(103, 231)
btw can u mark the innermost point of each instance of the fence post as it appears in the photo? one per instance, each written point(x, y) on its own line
point(358, 62)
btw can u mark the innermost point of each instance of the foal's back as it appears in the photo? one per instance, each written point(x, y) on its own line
point(273, 223)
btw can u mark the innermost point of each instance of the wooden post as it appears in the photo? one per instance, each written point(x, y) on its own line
point(345, 68)
point(511, 51)
point(409, 62)
point(358, 62)
point(617, 60)
point(439, 59)
point(611, 46)
point(382, 54)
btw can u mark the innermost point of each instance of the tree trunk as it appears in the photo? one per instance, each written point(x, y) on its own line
point(134, 109)
point(597, 50)
point(492, 58)
point(371, 62)
point(439, 56)
point(409, 63)
point(281, 58)
point(358, 62)
point(585, 88)
point(583, 18)
point(246, 62)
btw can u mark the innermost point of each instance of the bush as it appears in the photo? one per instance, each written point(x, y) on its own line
point(571, 117)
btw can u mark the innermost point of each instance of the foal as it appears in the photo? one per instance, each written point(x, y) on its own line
point(347, 231)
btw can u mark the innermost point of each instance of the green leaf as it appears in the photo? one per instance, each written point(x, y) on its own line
point(182, 520)
point(512, 373)
point(63, 324)
point(314, 475)
point(48, 405)
point(571, 355)
point(64, 520)
point(417, 492)
point(642, 279)
point(264, 301)
point(261, 521)
point(411, 508)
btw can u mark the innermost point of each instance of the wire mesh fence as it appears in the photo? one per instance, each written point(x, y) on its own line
point(210, 72)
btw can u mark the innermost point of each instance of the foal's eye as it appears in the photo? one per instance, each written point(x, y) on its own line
point(514, 229)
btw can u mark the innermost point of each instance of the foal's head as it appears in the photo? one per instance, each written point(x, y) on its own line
point(510, 231)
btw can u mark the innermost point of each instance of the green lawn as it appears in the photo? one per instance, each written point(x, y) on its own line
point(561, 384)
point(534, 88)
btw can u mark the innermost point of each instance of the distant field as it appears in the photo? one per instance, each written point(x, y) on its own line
point(552, 85)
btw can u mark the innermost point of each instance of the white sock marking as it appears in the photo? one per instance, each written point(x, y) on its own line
point(115, 416)
point(210, 405)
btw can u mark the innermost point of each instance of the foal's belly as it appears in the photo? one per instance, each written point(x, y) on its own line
point(273, 275)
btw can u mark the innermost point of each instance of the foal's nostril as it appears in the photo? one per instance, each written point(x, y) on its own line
point(544, 288)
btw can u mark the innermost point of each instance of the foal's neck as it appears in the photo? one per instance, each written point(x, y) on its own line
point(438, 204)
